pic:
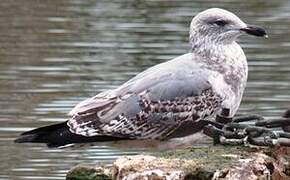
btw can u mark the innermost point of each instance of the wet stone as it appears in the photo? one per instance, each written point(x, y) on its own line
point(204, 163)
point(82, 172)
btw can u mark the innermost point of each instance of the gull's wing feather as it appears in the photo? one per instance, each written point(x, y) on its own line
point(151, 105)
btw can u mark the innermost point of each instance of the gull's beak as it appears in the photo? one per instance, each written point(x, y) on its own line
point(255, 30)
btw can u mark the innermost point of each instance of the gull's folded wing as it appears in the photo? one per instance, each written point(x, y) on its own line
point(151, 105)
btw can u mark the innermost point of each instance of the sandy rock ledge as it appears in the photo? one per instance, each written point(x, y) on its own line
point(215, 162)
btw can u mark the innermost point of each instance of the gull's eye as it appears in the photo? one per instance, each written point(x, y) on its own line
point(220, 22)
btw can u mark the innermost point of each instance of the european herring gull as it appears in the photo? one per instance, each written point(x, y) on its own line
point(167, 100)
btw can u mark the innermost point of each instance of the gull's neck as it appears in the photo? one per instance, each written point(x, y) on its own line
point(212, 50)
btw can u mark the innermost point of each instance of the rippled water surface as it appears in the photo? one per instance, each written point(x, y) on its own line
point(54, 54)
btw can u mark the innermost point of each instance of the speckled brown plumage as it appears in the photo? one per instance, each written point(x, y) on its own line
point(155, 120)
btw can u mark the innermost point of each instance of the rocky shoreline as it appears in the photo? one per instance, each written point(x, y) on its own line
point(213, 162)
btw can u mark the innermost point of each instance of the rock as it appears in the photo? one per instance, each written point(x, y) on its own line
point(281, 157)
point(251, 168)
point(150, 167)
point(214, 162)
point(82, 172)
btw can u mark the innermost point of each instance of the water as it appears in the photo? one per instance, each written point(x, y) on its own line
point(56, 53)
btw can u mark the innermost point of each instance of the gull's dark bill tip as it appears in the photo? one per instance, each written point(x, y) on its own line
point(255, 30)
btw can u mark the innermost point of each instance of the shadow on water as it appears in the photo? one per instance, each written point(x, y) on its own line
point(56, 53)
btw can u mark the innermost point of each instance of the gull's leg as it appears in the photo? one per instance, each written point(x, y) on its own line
point(224, 116)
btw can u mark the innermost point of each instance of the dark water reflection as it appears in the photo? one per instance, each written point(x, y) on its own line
point(56, 53)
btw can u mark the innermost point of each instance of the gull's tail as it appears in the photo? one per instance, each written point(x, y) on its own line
point(58, 135)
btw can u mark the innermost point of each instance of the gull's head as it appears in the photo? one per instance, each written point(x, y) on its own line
point(220, 26)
